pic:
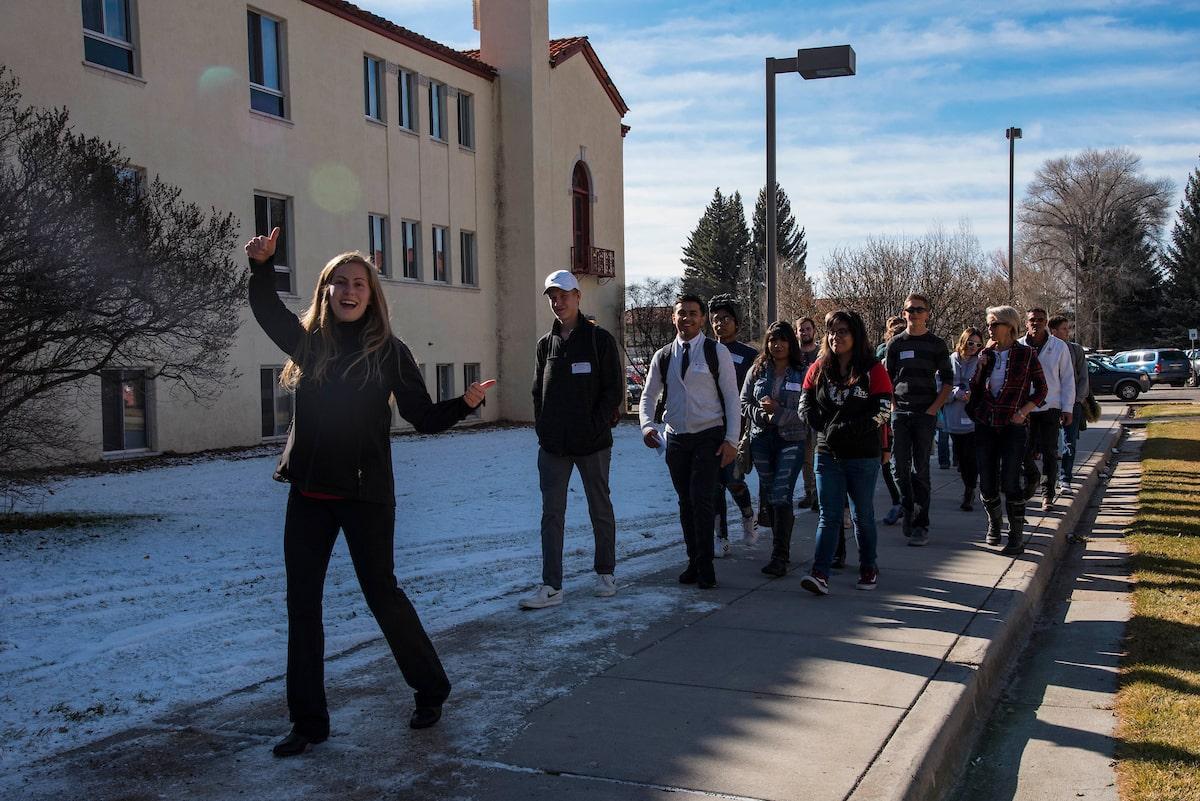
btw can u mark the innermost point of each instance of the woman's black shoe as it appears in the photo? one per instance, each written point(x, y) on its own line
point(295, 743)
point(425, 716)
point(776, 568)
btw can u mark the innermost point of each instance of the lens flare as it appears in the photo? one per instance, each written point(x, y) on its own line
point(334, 188)
point(217, 77)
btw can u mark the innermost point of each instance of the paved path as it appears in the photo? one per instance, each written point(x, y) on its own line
point(1052, 737)
point(755, 690)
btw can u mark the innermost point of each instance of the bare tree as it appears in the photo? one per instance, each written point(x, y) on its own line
point(99, 270)
point(647, 319)
point(950, 268)
point(794, 291)
point(1070, 221)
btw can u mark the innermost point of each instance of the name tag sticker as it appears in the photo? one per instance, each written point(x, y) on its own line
point(908, 354)
point(581, 367)
point(737, 358)
point(792, 386)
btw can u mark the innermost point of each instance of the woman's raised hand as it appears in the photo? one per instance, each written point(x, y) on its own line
point(261, 248)
point(477, 391)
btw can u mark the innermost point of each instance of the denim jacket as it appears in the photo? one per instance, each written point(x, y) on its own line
point(787, 420)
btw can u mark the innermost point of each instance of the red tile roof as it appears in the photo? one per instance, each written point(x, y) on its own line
point(562, 49)
point(416, 41)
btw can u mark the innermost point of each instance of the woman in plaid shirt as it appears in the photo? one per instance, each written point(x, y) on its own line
point(1008, 384)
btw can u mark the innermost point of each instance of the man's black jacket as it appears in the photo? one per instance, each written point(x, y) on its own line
point(577, 389)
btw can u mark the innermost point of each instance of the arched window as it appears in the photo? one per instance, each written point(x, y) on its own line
point(581, 220)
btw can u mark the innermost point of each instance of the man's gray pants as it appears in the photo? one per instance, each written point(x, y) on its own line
point(554, 473)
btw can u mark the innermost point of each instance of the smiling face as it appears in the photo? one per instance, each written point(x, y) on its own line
point(778, 348)
point(564, 304)
point(689, 318)
point(349, 291)
point(807, 332)
point(1035, 323)
point(841, 341)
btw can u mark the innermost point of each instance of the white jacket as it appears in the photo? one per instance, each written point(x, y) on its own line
point(1059, 369)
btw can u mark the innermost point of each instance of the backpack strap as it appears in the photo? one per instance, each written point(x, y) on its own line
point(663, 359)
point(714, 367)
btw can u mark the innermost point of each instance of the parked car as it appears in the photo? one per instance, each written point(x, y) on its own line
point(633, 393)
point(1166, 366)
point(1194, 357)
point(1124, 381)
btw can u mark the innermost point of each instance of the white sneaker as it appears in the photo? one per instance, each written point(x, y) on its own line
point(545, 596)
point(749, 530)
point(1066, 488)
point(724, 549)
point(606, 585)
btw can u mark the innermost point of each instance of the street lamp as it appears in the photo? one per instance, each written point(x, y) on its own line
point(1012, 135)
point(811, 63)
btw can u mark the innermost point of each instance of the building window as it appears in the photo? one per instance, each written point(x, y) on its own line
point(266, 63)
point(581, 219)
point(408, 100)
point(466, 120)
point(378, 237)
point(108, 34)
point(440, 256)
point(373, 88)
point(411, 231)
point(471, 376)
point(123, 408)
point(276, 403)
point(437, 110)
point(269, 213)
point(467, 259)
point(445, 382)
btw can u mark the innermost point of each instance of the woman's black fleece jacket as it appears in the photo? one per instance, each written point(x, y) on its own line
point(339, 442)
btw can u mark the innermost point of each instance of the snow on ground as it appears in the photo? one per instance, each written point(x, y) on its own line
point(106, 627)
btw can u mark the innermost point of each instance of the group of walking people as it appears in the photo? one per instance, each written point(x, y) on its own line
point(832, 411)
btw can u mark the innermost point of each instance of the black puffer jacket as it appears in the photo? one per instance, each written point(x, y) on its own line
point(340, 439)
point(577, 389)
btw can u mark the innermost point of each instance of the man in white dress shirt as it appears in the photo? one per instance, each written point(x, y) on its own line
point(1055, 411)
point(701, 410)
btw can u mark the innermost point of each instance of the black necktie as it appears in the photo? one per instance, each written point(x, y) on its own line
point(687, 359)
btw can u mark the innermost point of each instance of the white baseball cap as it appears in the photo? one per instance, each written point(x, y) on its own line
point(561, 279)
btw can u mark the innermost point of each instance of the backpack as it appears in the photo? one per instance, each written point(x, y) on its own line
point(663, 360)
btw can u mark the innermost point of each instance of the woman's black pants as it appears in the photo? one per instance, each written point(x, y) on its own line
point(309, 533)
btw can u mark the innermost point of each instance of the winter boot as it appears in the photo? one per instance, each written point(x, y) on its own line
point(1016, 529)
point(781, 544)
point(995, 520)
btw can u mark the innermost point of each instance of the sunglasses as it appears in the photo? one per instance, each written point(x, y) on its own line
point(915, 310)
point(973, 344)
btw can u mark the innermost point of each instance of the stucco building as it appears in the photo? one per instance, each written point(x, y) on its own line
point(469, 175)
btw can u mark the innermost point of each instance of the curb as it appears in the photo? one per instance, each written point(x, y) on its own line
point(922, 758)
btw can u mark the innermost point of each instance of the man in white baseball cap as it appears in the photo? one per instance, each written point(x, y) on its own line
point(577, 391)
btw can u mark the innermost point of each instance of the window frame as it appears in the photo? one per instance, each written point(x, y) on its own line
point(377, 68)
point(407, 93)
point(104, 37)
point(277, 392)
point(468, 258)
point(286, 234)
point(444, 370)
point(412, 267)
point(437, 103)
point(263, 88)
point(466, 119)
point(444, 237)
point(383, 265)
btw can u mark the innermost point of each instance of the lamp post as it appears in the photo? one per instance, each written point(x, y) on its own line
point(1012, 135)
point(811, 63)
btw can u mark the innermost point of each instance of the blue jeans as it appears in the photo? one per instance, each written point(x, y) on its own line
point(1066, 468)
point(734, 480)
point(943, 449)
point(778, 463)
point(837, 480)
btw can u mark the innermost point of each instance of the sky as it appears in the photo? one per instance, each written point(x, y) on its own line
point(913, 141)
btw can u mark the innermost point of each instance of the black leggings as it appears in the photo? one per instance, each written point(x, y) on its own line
point(309, 533)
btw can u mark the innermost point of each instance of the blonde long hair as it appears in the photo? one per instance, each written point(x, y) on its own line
point(317, 351)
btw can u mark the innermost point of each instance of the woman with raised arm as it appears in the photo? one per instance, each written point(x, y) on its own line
point(344, 364)
point(847, 397)
point(1007, 385)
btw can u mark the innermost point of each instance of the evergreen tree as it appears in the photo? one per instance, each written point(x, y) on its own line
point(717, 247)
point(1181, 263)
point(1133, 285)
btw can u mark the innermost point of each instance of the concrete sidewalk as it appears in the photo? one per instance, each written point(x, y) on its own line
point(755, 690)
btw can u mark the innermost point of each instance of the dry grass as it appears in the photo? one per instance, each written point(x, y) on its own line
point(1168, 410)
point(1158, 705)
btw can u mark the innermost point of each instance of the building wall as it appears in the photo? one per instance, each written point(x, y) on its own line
point(186, 117)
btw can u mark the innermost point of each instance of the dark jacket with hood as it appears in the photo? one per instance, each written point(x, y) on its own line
point(578, 388)
point(339, 442)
